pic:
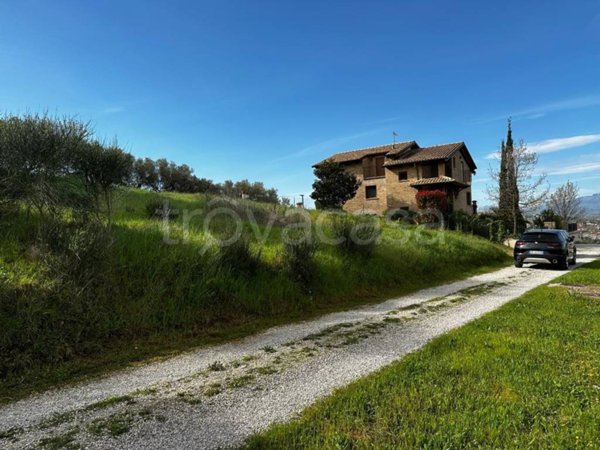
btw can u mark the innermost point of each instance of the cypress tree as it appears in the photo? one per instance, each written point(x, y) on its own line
point(508, 190)
point(503, 204)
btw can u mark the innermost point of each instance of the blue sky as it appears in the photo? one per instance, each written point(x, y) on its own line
point(264, 89)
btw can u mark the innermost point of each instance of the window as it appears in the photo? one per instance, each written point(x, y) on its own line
point(448, 169)
point(379, 169)
point(403, 175)
point(468, 198)
point(541, 237)
point(429, 170)
point(373, 167)
point(371, 191)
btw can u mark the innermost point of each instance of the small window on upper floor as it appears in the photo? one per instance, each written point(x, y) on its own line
point(371, 191)
point(403, 175)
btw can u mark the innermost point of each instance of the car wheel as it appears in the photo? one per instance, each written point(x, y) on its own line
point(563, 264)
point(518, 263)
point(574, 260)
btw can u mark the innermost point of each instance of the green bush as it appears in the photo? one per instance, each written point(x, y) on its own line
point(484, 225)
point(358, 235)
point(77, 250)
point(65, 313)
point(238, 257)
point(298, 258)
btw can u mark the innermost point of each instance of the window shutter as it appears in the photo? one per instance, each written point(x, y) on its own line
point(379, 169)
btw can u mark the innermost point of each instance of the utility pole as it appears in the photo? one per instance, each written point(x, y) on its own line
point(302, 195)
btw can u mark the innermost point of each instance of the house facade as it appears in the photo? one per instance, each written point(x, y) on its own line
point(391, 175)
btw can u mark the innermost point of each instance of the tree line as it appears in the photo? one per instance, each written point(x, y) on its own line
point(48, 162)
point(163, 175)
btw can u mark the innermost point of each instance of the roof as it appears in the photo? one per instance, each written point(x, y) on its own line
point(433, 153)
point(405, 153)
point(542, 230)
point(436, 180)
point(355, 155)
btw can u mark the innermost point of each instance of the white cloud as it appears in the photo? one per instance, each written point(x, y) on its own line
point(541, 110)
point(556, 145)
point(575, 169)
point(582, 164)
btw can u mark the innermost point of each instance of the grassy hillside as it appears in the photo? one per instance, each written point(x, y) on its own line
point(524, 376)
point(134, 295)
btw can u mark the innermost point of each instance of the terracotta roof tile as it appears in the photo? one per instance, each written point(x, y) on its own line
point(355, 155)
point(428, 154)
point(436, 180)
point(403, 153)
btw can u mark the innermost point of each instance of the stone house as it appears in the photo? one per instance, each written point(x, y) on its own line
point(391, 175)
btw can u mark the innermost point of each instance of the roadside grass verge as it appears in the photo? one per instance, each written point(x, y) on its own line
point(524, 376)
point(152, 300)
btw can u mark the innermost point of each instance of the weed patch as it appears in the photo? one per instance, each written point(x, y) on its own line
point(65, 441)
point(114, 425)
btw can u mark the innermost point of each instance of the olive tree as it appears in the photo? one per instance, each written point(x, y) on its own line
point(102, 169)
point(36, 158)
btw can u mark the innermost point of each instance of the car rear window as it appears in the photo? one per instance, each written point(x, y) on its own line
point(541, 237)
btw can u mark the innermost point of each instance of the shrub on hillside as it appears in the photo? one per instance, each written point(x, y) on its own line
point(68, 311)
point(239, 258)
point(484, 225)
point(358, 235)
point(298, 258)
point(76, 252)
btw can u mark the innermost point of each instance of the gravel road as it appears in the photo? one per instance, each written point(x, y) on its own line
point(218, 396)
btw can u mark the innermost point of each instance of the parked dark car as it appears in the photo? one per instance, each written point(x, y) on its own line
point(546, 246)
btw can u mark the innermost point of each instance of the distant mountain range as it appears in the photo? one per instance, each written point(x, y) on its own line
point(591, 204)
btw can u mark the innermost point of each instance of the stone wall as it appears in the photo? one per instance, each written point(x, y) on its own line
point(360, 204)
point(399, 192)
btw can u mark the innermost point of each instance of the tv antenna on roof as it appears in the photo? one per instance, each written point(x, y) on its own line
point(394, 134)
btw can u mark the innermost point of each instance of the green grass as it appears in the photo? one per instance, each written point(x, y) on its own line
point(111, 401)
point(155, 299)
point(240, 381)
point(65, 441)
point(524, 376)
point(114, 425)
